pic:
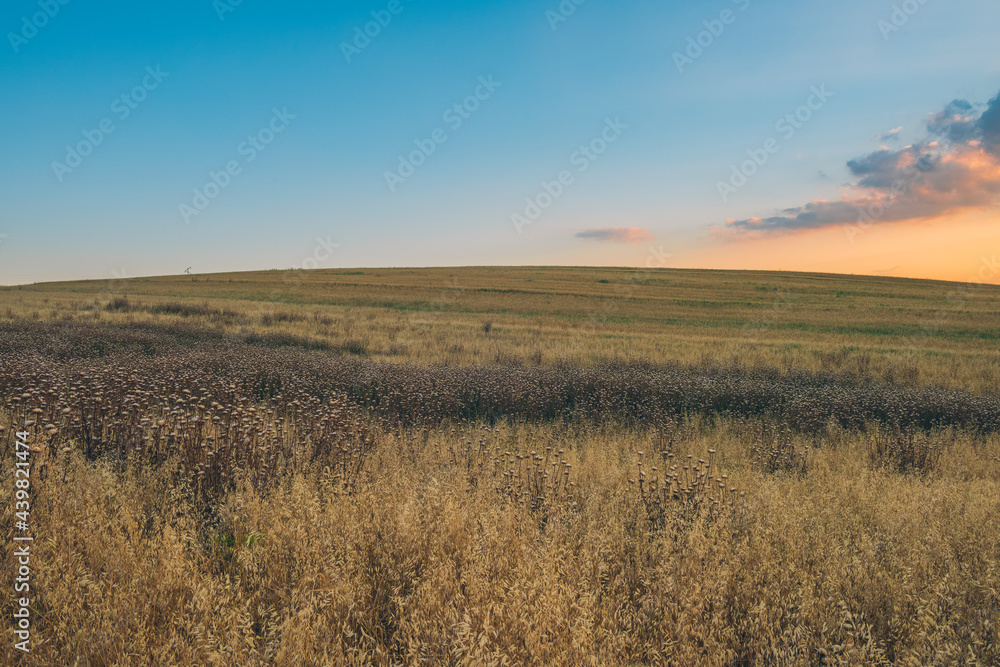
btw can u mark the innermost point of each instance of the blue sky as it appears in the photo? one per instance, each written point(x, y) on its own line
point(556, 86)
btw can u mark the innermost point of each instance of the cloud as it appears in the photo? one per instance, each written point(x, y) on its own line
point(617, 235)
point(890, 135)
point(989, 126)
point(956, 122)
point(879, 170)
point(956, 167)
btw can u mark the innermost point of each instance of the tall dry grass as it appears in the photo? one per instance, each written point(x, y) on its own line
point(429, 560)
point(203, 498)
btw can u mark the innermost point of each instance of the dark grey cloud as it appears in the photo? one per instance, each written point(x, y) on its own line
point(882, 168)
point(957, 122)
point(989, 126)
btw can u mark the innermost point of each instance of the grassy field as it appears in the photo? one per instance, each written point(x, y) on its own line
point(505, 466)
point(924, 332)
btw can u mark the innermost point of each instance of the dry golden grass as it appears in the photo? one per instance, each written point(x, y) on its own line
point(199, 499)
point(429, 562)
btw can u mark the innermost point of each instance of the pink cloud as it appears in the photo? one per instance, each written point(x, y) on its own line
point(617, 235)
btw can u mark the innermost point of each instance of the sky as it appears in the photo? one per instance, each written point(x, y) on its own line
point(151, 138)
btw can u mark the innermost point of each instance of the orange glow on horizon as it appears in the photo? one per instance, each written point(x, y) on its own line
point(962, 247)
